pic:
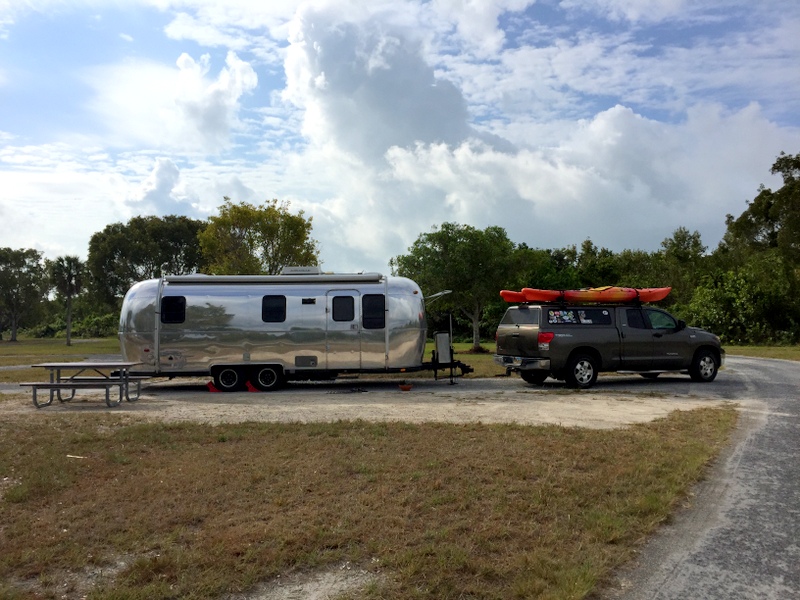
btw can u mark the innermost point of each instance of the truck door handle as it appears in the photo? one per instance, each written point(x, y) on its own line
point(514, 335)
point(658, 335)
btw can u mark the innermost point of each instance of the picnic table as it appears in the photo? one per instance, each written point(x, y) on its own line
point(72, 376)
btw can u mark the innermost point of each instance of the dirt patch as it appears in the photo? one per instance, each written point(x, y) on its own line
point(501, 400)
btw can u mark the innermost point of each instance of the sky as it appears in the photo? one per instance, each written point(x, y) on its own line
point(617, 121)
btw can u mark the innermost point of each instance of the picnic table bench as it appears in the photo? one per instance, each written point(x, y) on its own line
point(117, 376)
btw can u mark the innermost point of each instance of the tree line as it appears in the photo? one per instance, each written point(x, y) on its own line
point(746, 290)
point(45, 297)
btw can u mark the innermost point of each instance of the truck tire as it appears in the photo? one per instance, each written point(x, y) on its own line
point(268, 378)
point(581, 371)
point(704, 366)
point(533, 377)
point(228, 379)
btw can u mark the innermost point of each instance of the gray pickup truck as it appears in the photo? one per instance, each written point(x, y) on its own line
point(575, 343)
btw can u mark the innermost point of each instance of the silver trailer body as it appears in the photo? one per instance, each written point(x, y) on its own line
point(298, 326)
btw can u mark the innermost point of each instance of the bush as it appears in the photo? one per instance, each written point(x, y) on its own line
point(97, 326)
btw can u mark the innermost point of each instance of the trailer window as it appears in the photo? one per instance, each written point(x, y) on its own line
point(273, 309)
point(373, 308)
point(343, 308)
point(173, 309)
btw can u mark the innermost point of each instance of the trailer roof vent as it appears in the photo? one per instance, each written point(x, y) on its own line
point(315, 270)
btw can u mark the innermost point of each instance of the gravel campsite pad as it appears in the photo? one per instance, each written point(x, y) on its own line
point(498, 400)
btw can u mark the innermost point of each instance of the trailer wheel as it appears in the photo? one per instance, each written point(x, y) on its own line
point(268, 378)
point(228, 379)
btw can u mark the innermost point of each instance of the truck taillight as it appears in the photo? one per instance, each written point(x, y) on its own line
point(545, 337)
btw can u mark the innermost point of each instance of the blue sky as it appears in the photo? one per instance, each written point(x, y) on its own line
point(559, 120)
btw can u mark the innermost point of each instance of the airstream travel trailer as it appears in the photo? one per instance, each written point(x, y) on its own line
point(265, 330)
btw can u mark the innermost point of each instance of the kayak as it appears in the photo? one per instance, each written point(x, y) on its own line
point(653, 294)
point(534, 295)
point(609, 293)
point(510, 296)
point(601, 294)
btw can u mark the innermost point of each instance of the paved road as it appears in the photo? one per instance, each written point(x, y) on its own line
point(741, 537)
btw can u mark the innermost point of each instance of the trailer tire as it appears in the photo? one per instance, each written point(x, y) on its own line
point(268, 378)
point(228, 379)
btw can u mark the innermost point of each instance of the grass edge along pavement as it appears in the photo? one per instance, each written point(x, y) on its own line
point(100, 508)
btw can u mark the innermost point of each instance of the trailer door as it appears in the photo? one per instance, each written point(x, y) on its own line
point(343, 329)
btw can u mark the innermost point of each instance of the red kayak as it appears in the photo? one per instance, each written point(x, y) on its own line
point(510, 296)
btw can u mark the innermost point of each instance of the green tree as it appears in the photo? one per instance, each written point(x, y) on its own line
point(752, 294)
point(771, 220)
point(638, 268)
point(474, 264)
point(683, 260)
point(23, 286)
point(749, 304)
point(144, 248)
point(257, 240)
point(596, 267)
point(67, 276)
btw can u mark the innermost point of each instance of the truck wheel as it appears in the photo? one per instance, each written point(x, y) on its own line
point(581, 372)
point(704, 366)
point(268, 378)
point(228, 379)
point(533, 377)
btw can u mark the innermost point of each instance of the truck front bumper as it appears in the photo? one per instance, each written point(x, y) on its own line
point(520, 363)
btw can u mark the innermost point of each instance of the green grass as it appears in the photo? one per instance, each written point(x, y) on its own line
point(439, 511)
point(784, 352)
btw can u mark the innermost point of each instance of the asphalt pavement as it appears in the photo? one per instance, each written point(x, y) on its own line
point(740, 536)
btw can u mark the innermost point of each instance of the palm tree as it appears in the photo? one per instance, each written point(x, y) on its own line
point(66, 274)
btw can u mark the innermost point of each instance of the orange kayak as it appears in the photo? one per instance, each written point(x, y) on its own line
point(601, 294)
point(653, 294)
point(534, 295)
point(611, 294)
point(510, 296)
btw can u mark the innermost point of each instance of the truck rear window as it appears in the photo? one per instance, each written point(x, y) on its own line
point(521, 316)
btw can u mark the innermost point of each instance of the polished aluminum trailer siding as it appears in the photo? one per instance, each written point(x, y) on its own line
point(192, 325)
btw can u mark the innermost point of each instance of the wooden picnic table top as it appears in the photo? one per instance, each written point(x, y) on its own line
point(88, 364)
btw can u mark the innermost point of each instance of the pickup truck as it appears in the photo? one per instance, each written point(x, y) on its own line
point(575, 343)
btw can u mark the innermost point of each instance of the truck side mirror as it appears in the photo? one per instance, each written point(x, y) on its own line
point(681, 325)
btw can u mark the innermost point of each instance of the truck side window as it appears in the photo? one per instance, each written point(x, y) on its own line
point(343, 308)
point(594, 316)
point(273, 309)
point(635, 318)
point(661, 320)
point(373, 311)
point(173, 309)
